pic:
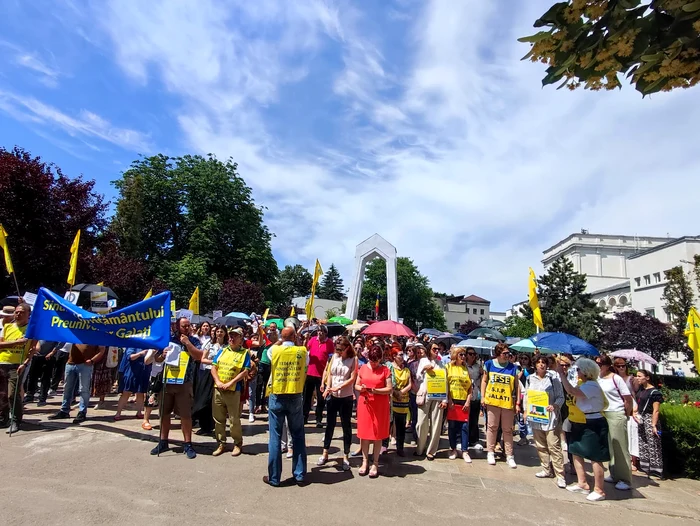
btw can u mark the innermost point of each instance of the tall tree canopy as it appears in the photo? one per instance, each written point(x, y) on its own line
point(331, 286)
point(565, 305)
point(591, 42)
point(518, 327)
point(634, 330)
point(293, 281)
point(42, 209)
point(678, 297)
point(415, 295)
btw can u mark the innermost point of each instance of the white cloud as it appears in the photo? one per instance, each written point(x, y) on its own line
point(48, 75)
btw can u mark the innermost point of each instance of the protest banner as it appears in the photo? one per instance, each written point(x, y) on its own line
point(99, 302)
point(436, 383)
point(143, 325)
point(537, 402)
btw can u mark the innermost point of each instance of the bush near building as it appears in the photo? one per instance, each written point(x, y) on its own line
point(680, 426)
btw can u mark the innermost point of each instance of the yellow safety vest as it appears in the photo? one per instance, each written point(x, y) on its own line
point(230, 363)
point(499, 390)
point(13, 355)
point(288, 369)
point(401, 379)
point(458, 378)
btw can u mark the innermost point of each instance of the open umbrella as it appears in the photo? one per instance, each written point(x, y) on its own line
point(230, 321)
point(356, 326)
point(448, 340)
point(278, 321)
point(527, 346)
point(88, 288)
point(431, 332)
point(196, 318)
point(562, 342)
point(388, 328)
point(340, 319)
point(492, 324)
point(485, 332)
point(241, 315)
point(10, 300)
point(634, 354)
point(483, 347)
point(334, 329)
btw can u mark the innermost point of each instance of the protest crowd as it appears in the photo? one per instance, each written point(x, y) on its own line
point(399, 391)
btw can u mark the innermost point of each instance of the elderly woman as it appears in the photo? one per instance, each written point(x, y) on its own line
point(648, 402)
point(616, 413)
point(588, 440)
point(459, 397)
point(546, 426)
point(373, 408)
point(500, 396)
point(433, 391)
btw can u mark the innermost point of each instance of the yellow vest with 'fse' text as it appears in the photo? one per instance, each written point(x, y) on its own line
point(288, 370)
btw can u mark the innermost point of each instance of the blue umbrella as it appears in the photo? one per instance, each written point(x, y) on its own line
point(431, 332)
point(563, 343)
point(241, 315)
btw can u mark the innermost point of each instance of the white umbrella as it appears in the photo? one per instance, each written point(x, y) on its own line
point(634, 354)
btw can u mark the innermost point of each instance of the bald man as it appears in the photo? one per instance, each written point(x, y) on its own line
point(288, 366)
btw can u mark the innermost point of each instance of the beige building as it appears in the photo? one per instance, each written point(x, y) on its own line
point(460, 309)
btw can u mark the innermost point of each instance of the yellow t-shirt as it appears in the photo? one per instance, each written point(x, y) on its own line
point(459, 381)
point(14, 355)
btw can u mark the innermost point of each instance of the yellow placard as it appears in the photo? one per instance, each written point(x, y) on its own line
point(175, 374)
point(537, 402)
point(436, 383)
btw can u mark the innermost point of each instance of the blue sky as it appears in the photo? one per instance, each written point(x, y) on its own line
point(414, 119)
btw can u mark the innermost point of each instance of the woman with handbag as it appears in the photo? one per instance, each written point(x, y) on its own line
point(649, 400)
point(459, 397)
point(431, 400)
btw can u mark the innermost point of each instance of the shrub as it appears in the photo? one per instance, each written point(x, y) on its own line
point(681, 429)
point(678, 396)
point(681, 383)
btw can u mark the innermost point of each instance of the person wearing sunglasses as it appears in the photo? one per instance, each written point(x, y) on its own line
point(500, 394)
point(620, 367)
point(458, 403)
point(431, 402)
point(476, 371)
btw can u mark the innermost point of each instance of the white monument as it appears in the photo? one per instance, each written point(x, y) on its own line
point(371, 248)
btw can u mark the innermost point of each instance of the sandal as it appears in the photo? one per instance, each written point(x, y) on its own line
point(147, 426)
point(374, 471)
point(117, 418)
point(139, 416)
point(363, 471)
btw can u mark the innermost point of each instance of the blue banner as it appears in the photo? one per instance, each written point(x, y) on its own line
point(143, 325)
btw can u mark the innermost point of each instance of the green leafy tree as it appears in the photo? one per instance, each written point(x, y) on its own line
point(518, 327)
point(331, 286)
point(293, 281)
point(678, 297)
point(634, 330)
point(590, 43)
point(415, 297)
point(332, 313)
point(183, 276)
point(565, 305)
point(240, 296)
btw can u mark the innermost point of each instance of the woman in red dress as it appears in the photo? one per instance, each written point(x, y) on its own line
point(373, 408)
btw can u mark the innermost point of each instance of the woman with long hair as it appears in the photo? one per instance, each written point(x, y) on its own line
point(339, 379)
point(475, 372)
point(620, 367)
point(415, 353)
point(431, 402)
point(459, 396)
point(649, 400)
point(204, 385)
point(401, 381)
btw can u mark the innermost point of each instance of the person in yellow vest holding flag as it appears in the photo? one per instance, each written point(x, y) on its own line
point(289, 363)
point(500, 396)
point(14, 358)
point(229, 368)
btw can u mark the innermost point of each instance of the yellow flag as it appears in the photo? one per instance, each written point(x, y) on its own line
point(318, 271)
point(293, 312)
point(534, 302)
point(74, 259)
point(692, 331)
point(265, 314)
point(173, 308)
point(148, 294)
point(6, 250)
point(194, 301)
point(101, 284)
point(309, 308)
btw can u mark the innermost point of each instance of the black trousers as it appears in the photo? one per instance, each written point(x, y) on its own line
point(59, 367)
point(474, 410)
point(400, 428)
point(263, 378)
point(342, 406)
point(313, 383)
point(40, 370)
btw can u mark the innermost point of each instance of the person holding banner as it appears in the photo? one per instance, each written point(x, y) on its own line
point(431, 400)
point(15, 355)
point(181, 357)
point(543, 398)
point(500, 395)
point(459, 397)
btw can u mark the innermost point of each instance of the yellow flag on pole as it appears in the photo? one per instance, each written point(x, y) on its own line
point(293, 312)
point(148, 294)
point(194, 301)
point(266, 314)
point(534, 302)
point(74, 260)
point(101, 284)
point(692, 331)
point(6, 250)
point(318, 271)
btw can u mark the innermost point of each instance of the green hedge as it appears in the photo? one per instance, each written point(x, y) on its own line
point(680, 439)
point(681, 383)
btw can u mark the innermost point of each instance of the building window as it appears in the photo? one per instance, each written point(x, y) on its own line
point(647, 279)
point(651, 312)
point(638, 281)
point(657, 277)
point(482, 312)
point(473, 311)
point(457, 325)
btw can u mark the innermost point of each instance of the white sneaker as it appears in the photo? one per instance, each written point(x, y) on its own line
point(321, 461)
point(452, 456)
point(478, 447)
point(52, 392)
point(623, 486)
point(459, 446)
point(561, 483)
point(251, 417)
point(511, 462)
point(467, 458)
point(491, 458)
point(575, 488)
point(290, 454)
point(594, 496)
point(543, 475)
point(609, 479)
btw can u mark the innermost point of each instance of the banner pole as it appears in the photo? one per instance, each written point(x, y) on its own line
point(160, 406)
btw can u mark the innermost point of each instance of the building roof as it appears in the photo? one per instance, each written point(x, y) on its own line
point(466, 299)
point(589, 236)
point(624, 285)
point(670, 243)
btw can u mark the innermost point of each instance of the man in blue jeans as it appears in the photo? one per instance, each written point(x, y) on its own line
point(78, 370)
point(289, 363)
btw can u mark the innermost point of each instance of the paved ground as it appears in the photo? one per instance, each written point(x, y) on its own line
point(101, 473)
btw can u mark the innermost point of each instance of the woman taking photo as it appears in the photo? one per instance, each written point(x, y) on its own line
point(459, 396)
point(374, 386)
point(619, 407)
point(431, 400)
point(588, 440)
point(500, 395)
point(339, 379)
point(401, 381)
point(648, 402)
point(546, 427)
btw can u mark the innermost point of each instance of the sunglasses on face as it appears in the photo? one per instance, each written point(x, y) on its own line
point(471, 354)
point(620, 365)
point(461, 355)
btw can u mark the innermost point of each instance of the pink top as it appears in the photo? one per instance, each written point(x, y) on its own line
point(318, 355)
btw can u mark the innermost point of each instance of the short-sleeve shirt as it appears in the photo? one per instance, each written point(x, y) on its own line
point(318, 355)
point(592, 404)
point(646, 399)
point(615, 389)
point(246, 362)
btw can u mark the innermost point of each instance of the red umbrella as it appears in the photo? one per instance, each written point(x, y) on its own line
point(388, 328)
